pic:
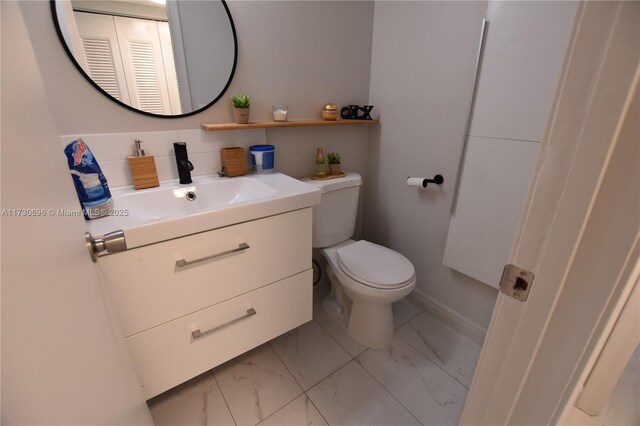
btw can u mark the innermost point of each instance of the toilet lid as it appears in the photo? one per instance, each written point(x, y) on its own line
point(374, 265)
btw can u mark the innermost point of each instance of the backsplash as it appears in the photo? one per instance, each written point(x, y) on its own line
point(112, 149)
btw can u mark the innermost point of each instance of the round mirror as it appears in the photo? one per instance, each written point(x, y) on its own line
point(163, 58)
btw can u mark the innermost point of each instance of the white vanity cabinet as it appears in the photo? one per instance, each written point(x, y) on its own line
point(241, 286)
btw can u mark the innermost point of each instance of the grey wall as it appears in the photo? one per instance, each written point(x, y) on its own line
point(208, 50)
point(303, 54)
point(422, 68)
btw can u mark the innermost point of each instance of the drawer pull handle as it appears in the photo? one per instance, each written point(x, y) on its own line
point(183, 262)
point(196, 334)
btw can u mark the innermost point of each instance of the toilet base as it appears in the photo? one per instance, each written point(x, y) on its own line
point(370, 324)
point(337, 312)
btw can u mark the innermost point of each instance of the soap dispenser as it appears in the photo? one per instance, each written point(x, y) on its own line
point(143, 168)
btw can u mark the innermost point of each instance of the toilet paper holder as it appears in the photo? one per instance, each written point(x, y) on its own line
point(415, 181)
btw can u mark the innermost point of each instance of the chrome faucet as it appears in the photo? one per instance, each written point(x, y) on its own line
point(182, 160)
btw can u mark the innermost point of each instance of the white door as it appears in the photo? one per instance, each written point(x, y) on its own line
point(579, 233)
point(102, 54)
point(132, 60)
point(63, 358)
point(144, 68)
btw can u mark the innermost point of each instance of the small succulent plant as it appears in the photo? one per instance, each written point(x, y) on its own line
point(240, 101)
point(334, 157)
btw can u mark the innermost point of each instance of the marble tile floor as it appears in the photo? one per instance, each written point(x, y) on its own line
point(317, 375)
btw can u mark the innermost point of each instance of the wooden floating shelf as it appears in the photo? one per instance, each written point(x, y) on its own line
point(292, 123)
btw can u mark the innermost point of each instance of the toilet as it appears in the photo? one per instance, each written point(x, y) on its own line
point(365, 278)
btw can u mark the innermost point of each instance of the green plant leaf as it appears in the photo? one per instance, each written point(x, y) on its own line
point(240, 101)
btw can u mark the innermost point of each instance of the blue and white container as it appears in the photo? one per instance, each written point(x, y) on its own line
point(262, 158)
point(91, 185)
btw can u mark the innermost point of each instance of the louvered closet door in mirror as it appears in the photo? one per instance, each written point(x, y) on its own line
point(144, 68)
point(102, 53)
point(164, 58)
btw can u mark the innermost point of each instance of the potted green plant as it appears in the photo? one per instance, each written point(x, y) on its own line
point(334, 163)
point(241, 104)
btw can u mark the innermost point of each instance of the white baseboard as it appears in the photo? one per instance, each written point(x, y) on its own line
point(469, 328)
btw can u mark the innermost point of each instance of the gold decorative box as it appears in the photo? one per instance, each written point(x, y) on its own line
point(330, 112)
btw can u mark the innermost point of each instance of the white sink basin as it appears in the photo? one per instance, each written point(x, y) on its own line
point(172, 210)
point(178, 200)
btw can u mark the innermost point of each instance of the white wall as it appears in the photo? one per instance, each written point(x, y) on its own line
point(110, 7)
point(303, 54)
point(63, 360)
point(207, 63)
point(422, 69)
point(415, 64)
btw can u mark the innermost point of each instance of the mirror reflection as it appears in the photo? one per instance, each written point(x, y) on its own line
point(158, 57)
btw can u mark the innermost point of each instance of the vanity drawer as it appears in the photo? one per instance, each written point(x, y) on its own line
point(168, 355)
point(148, 287)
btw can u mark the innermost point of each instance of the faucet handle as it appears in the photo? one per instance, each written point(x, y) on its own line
point(187, 165)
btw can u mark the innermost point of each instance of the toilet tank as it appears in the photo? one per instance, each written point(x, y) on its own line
point(334, 219)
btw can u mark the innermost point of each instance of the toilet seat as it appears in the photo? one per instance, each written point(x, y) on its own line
point(375, 266)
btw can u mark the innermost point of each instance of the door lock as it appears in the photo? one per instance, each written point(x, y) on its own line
point(516, 282)
point(112, 242)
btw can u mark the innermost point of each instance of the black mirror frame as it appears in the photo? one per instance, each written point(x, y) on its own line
point(54, 15)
